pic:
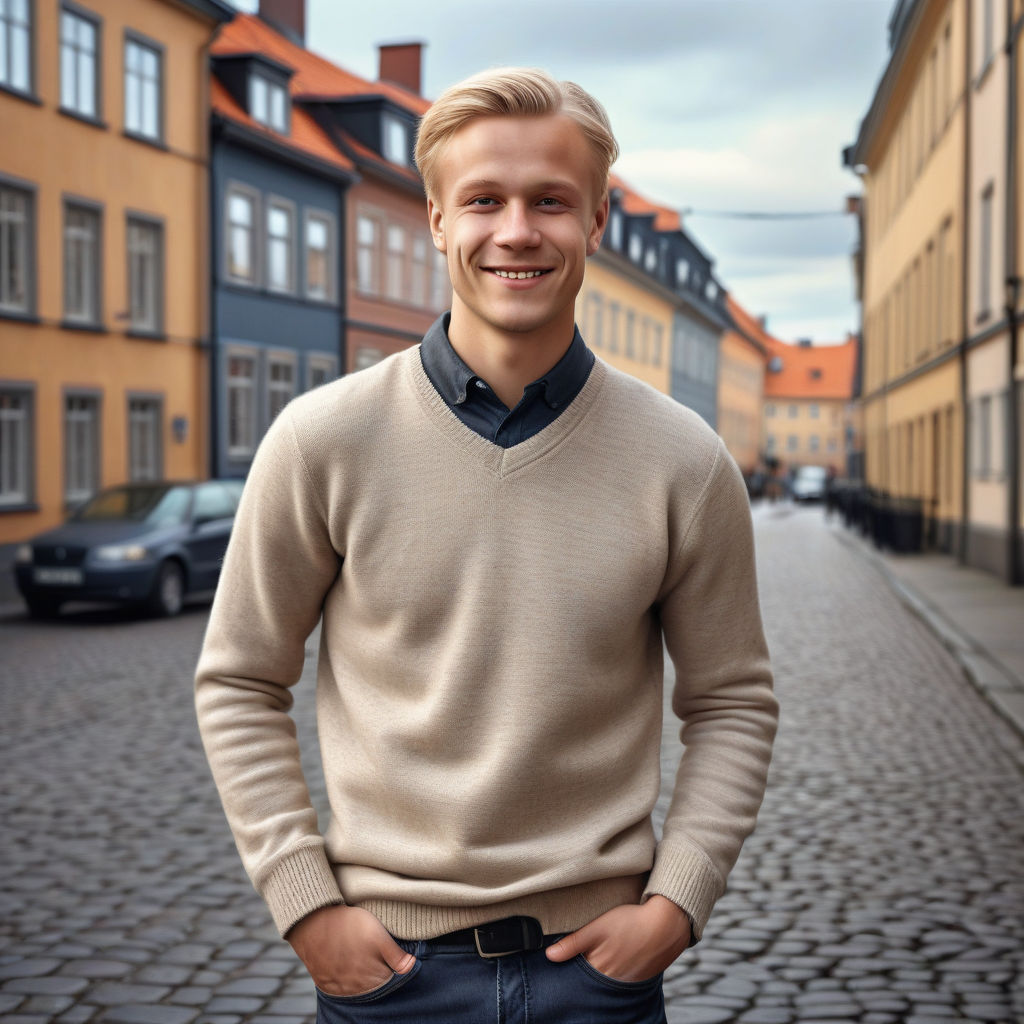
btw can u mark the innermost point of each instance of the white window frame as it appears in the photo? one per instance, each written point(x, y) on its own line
point(16, 446)
point(321, 362)
point(16, 45)
point(277, 205)
point(394, 264)
point(252, 197)
point(143, 88)
point(83, 263)
point(419, 270)
point(82, 411)
point(280, 391)
point(145, 259)
point(616, 229)
point(242, 445)
point(330, 254)
point(268, 102)
point(145, 437)
point(17, 282)
point(394, 139)
point(79, 66)
point(368, 252)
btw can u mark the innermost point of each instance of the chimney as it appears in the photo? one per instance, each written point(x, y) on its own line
point(400, 63)
point(287, 16)
point(805, 342)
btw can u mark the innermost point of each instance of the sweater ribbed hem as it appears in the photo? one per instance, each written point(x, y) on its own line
point(686, 876)
point(298, 884)
point(560, 910)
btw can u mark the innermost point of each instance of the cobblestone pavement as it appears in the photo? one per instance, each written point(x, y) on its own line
point(885, 882)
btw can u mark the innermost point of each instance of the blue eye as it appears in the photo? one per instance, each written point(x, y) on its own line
point(482, 201)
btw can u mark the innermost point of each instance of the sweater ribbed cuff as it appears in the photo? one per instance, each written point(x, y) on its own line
point(298, 884)
point(686, 876)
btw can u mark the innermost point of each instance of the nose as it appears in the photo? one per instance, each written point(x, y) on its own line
point(515, 229)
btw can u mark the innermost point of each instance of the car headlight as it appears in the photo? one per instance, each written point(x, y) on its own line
point(121, 553)
point(23, 554)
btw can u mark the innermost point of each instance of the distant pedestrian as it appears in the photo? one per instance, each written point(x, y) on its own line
point(499, 532)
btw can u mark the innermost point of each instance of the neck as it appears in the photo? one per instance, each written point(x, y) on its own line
point(508, 360)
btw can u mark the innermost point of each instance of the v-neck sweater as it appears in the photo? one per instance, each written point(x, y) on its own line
point(490, 675)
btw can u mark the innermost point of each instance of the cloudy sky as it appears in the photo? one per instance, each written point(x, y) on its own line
point(718, 105)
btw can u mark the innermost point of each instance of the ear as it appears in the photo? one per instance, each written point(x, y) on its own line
point(598, 225)
point(435, 217)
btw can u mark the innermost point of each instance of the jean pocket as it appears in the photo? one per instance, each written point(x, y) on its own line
point(623, 986)
point(393, 984)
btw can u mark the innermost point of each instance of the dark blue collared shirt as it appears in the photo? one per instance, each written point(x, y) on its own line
point(474, 402)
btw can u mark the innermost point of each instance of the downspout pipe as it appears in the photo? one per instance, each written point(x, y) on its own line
point(965, 468)
point(1013, 481)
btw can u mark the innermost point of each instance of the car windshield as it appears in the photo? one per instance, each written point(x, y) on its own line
point(156, 505)
point(811, 473)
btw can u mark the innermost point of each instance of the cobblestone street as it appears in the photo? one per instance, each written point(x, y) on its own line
point(885, 882)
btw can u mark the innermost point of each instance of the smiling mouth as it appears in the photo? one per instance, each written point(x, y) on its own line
point(518, 275)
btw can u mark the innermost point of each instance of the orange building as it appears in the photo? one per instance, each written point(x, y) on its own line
point(104, 235)
point(808, 403)
point(743, 354)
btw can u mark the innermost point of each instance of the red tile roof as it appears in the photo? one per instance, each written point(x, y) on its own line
point(665, 219)
point(314, 76)
point(811, 371)
point(306, 135)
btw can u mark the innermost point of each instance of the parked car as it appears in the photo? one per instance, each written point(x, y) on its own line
point(809, 484)
point(148, 544)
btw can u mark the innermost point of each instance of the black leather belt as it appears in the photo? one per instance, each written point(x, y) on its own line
point(499, 938)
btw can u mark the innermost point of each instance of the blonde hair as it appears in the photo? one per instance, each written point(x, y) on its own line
point(513, 92)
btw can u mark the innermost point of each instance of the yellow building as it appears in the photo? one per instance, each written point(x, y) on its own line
point(910, 154)
point(741, 365)
point(104, 236)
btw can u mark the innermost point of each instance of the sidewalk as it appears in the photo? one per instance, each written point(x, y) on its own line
point(976, 616)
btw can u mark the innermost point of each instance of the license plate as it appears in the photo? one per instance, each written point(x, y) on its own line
point(67, 577)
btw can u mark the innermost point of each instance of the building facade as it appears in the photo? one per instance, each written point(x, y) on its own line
point(808, 407)
point(939, 156)
point(104, 235)
point(743, 354)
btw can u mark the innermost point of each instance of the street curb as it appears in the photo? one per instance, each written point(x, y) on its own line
point(983, 670)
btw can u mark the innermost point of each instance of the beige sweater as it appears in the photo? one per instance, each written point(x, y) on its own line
point(489, 694)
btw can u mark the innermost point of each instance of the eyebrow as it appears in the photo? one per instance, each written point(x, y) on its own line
point(490, 184)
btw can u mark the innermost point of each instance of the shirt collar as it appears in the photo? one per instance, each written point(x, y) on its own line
point(452, 377)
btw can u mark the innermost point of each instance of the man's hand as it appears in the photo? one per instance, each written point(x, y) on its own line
point(347, 951)
point(629, 943)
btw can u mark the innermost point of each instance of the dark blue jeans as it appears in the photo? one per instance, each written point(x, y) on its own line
point(454, 985)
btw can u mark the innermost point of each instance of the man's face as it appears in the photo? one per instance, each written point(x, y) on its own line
point(517, 209)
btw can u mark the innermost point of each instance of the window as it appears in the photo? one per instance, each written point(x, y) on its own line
point(395, 143)
point(813, 410)
point(614, 317)
point(395, 282)
point(439, 293)
point(145, 452)
point(631, 339)
point(81, 447)
point(142, 92)
point(813, 442)
point(682, 271)
point(367, 357)
point(320, 369)
point(596, 326)
point(792, 443)
point(241, 380)
point(657, 344)
point(985, 255)
point(81, 264)
point(651, 259)
point(770, 443)
point(79, 62)
point(420, 270)
point(367, 253)
point(769, 409)
point(636, 247)
point(794, 411)
point(145, 274)
point(15, 447)
point(280, 246)
point(319, 256)
point(268, 103)
point(15, 250)
point(15, 45)
point(616, 230)
point(241, 236)
point(214, 500)
point(280, 384)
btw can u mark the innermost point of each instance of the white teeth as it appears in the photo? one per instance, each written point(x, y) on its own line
point(519, 275)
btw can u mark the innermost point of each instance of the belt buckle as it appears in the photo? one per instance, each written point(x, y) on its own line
point(526, 931)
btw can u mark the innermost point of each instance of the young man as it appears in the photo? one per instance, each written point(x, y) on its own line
point(499, 532)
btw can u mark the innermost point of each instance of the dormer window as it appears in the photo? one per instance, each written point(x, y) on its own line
point(636, 247)
point(682, 271)
point(395, 144)
point(616, 230)
point(268, 103)
point(651, 259)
